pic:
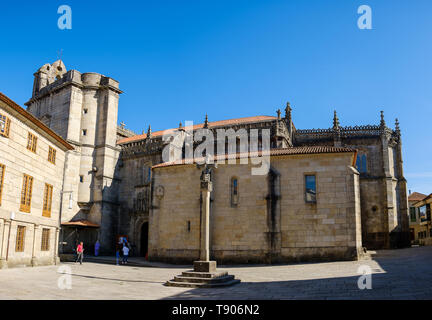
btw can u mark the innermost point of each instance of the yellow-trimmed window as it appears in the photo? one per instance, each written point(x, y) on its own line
point(31, 142)
point(4, 125)
point(20, 237)
point(47, 201)
point(52, 155)
point(45, 239)
point(2, 171)
point(26, 193)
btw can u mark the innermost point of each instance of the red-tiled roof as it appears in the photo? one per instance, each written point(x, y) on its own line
point(273, 152)
point(81, 223)
point(35, 121)
point(416, 196)
point(213, 124)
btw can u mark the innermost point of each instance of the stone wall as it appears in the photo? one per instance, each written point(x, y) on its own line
point(252, 231)
point(18, 160)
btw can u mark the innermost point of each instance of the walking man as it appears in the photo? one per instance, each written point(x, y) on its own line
point(80, 253)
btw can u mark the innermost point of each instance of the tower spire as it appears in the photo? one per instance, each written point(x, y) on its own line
point(288, 112)
point(206, 121)
point(397, 128)
point(149, 132)
point(382, 122)
point(336, 124)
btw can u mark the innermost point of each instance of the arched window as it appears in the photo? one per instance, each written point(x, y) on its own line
point(234, 192)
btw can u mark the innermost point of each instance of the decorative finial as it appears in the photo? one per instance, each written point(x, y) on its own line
point(59, 54)
point(180, 125)
point(397, 128)
point(122, 125)
point(382, 123)
point(288, 111)
point(206, 121)
point(149, 132)
point(336, 123)
point(278, 114)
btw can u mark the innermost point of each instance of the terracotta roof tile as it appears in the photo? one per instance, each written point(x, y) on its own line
point(213, 124)
point(81, 223)
point(273, 152)
point(416, 196)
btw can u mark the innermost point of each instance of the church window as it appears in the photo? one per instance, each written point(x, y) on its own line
point(234, 192)
point(26, 193)
point(84, 132)
point(31, 142)
point(310, 188)
point(4, 125)
point(361, 163)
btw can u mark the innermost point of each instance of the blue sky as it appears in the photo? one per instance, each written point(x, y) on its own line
point(177, 60)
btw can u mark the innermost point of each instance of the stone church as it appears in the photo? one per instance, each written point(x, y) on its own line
point(329, 193)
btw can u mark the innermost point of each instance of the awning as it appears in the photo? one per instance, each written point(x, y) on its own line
point(81, 223)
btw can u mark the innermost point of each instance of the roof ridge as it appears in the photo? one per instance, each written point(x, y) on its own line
point(195, 126)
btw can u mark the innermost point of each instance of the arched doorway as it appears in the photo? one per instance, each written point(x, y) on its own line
point(144, 239)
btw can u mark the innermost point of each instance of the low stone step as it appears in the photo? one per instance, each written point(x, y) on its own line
point(172, 283)
point(203, 280)
point(194, 274)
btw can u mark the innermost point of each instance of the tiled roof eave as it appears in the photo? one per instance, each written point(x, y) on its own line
point(273, 153)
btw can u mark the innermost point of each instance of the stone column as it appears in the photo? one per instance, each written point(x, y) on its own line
point(56, 257)
point(206, 188)
point(205, 265)
point(6, 225)
point(34, 260)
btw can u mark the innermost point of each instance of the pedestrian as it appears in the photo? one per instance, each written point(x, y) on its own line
point(97, 247)
point(117, 254)
point(125, 254)
point(80, 253)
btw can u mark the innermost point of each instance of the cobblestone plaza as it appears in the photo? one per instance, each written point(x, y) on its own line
point(396, 274)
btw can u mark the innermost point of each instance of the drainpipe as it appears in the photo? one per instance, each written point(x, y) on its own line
point(7, 248)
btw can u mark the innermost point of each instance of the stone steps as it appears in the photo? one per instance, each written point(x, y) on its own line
point(225, 278)
point(204, 274)
point(173, 283)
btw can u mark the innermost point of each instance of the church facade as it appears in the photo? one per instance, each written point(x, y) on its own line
point(327, 194)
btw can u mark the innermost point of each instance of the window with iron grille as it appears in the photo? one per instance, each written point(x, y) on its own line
point(26, 193)
point(19, 245)
point(45, 239)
